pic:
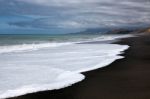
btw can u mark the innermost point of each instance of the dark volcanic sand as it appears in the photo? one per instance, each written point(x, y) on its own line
point(127, 78)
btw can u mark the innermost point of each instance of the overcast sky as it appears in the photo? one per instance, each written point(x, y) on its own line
point(62, 16)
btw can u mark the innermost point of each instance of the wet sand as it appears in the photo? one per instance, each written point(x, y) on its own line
point(127, 78)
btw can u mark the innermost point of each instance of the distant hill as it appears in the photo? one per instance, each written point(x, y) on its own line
point(119, 31)
point(93, 31)
point(114, 31)
point(146, 30)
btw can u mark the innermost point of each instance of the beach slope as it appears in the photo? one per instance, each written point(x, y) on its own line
point(126, 78)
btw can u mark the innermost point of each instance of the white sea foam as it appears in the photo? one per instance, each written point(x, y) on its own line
point(65, 79)
point(29, 47)
point(111, 37)
point(37, 46)
point(52, 68)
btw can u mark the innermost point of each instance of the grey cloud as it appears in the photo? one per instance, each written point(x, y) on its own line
point(78, 14)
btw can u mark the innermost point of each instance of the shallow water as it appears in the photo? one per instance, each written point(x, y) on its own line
point(48, 65)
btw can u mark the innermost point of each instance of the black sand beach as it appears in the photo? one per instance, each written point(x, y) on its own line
point(126, 78)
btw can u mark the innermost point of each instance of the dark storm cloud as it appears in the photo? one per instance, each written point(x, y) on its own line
point(77, 14)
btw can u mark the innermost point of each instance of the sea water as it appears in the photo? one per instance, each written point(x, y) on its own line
point(32, 63)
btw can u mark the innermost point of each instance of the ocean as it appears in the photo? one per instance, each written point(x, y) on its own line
point(32, 63)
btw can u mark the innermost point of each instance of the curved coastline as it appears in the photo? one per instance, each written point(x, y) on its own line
point(124, 78)
point(84, 72)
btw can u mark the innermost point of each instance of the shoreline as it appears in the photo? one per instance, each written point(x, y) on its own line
point(120, 80)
